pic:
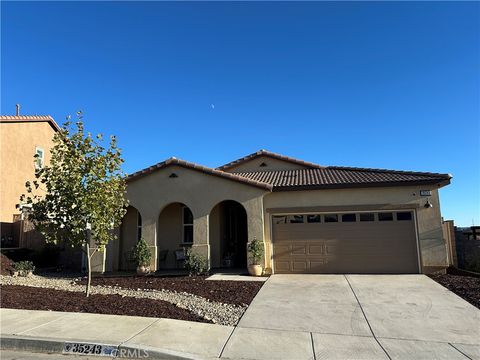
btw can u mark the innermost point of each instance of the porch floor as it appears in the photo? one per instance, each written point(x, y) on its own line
point(234, 274)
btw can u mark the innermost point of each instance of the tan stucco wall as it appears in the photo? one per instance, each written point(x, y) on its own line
point(272, 164)
point(432, 244)
point(17, 148)
point(200, 192)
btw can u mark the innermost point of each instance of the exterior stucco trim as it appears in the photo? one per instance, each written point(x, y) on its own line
point(417, 238)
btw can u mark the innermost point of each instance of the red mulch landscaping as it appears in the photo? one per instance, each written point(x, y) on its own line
point(6, 265)
point(467, 287)
point(227, 292)
point(32, 298)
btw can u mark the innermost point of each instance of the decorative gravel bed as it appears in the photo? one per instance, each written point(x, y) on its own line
point(32, 298)
point(214, 311)
point(467, 287)
point(238, 293)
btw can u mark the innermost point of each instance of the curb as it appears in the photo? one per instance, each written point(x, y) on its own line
point(155, 353)
point(12, 342)
point(44, 345)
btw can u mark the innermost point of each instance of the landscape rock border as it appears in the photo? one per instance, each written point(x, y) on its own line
point(217, 313)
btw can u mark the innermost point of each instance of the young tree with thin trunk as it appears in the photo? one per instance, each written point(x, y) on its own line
point(83, 192)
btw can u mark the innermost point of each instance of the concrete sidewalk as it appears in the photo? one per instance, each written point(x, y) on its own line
point(47, 331)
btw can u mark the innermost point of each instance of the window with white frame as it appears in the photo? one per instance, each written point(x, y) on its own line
point(187, 225)
point(39, 158)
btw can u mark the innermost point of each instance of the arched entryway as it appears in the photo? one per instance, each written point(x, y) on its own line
point(228, 235)
point(130, 233)
point(174, 233)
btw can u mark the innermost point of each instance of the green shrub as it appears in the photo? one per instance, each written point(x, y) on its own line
point(24, 267)
point(196, 264)
point(255, 249)
point(141, 253)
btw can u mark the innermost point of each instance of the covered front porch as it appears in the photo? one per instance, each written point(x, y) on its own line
point(226, 230)
point(179, 208)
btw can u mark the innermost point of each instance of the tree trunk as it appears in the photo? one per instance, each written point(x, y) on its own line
point(89, 270)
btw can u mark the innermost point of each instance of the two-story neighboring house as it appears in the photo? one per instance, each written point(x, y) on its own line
point(21, 137)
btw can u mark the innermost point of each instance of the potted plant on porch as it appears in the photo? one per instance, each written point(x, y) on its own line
point(142, 256)
point(255, 249)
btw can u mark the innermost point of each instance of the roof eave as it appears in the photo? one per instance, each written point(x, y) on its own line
point(439, 184)
point(30, 118)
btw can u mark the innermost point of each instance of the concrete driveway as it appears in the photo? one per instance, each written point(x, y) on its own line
point(356, 317)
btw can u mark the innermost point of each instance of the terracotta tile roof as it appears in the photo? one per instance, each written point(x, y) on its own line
point(29, 118)
point(342, 177)
point(268, 154)
point(204, 169)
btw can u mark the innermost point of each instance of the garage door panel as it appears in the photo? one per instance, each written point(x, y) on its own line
point(299, 266)
point(353, 247)
point(316, 249)
point(299, 249)
point(318, 265)
point(301, 232)
point(282, 266)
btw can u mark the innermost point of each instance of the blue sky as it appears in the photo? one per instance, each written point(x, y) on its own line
point(367, 84)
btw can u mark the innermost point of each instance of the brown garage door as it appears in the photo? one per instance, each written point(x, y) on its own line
point(368, 243)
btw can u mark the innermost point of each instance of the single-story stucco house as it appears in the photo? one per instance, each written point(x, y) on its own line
point(311, 218)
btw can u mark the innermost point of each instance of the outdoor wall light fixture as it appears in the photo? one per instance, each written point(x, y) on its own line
point(427, 205)
point(173, 175)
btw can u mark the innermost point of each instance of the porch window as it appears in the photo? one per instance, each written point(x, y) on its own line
point(187, 225)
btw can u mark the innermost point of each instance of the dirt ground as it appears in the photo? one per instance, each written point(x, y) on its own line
point(228, 292)
point(32, 298)
point(467, 287)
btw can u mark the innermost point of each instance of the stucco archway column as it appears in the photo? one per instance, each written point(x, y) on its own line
point(149, 234)
point(200, 237)
point(255, 221)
